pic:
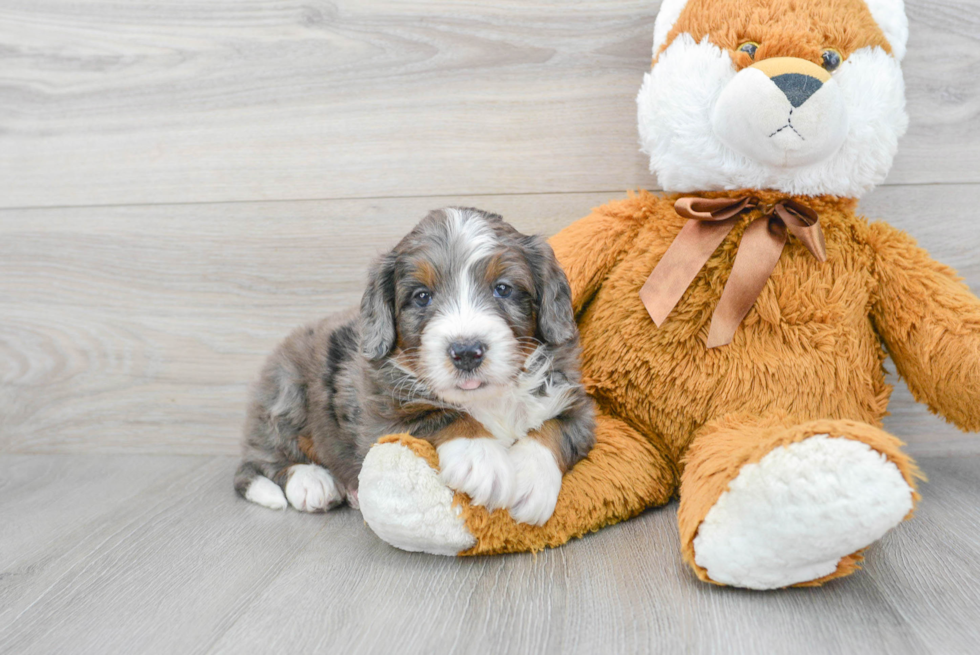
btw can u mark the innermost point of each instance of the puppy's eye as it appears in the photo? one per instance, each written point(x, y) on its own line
point(502, 290)
point(831, 59)
point(422, 298)
point(749, 48)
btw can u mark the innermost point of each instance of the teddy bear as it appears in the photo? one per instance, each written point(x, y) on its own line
point(734, 327)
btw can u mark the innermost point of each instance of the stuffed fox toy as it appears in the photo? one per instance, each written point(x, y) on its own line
point(733, 329)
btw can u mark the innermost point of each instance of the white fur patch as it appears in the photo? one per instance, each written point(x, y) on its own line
point(753, 117)
point(537, 481)
point(471, 231)
point(406, 504)
point(792, 516)
point(265, 492)
point(468, 318)
point(891, 18)
point(670, 11)
point(311, 488)
point(480, 468)
point(678, 96)
point(465, 321)
point(511, 411)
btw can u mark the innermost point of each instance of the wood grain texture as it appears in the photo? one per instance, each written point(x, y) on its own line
point(137, 329)
point(182, 565)
point(135, 324)
point(928, 573)
point(165, 570)
point(109, 102)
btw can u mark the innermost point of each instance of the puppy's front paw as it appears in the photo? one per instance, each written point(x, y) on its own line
point(537, 481)
point(480, 468)
point(311, 488)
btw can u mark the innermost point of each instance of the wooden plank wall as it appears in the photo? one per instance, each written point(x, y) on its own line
point(182, 182)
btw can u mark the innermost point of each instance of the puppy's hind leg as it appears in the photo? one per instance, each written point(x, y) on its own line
point(275, 471)
point(307, 487)
point(255, 487)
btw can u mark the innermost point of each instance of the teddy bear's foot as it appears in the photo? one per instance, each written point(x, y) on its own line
point(795, 514)
point(404, 501)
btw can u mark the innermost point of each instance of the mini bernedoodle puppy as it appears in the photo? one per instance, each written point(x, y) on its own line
point(466, 338)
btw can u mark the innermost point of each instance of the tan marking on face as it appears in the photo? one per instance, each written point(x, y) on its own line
point(495, 268)
point(426, 274)
point(405, 357)
point(528, 345)
point(785, 65)
point(782, 28)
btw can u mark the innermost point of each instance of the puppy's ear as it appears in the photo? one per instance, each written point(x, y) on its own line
point(378, 309)
point(556, 321)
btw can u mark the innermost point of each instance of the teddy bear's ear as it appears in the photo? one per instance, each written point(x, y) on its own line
point(890, 16)
point(670, 11)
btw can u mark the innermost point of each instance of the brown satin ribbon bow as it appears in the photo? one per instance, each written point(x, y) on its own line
point(711, 221)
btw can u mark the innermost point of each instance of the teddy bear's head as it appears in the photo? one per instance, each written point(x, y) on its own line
point(800, 96)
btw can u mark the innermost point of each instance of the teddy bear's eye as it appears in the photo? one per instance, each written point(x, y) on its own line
point(831, 59)
point(749, 48)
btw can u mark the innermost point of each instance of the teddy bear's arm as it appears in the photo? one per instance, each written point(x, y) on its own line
point(590, 247)
point(930, 323)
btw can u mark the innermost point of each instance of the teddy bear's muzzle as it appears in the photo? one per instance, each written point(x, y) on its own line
point(782, 111)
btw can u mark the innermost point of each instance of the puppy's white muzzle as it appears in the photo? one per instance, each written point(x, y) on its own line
point(784, 112)
point(466, 323)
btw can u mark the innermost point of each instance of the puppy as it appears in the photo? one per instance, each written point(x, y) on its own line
point(466, 338)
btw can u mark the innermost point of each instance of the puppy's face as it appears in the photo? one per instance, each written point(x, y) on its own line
point(462, 301)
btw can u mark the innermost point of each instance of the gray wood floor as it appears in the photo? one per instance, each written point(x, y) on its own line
point(182, 182)
point(155, 554)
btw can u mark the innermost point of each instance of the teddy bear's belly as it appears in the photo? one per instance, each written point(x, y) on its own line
point(807, 348)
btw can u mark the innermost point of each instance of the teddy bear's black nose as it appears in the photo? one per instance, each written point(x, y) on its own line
point(797, 87)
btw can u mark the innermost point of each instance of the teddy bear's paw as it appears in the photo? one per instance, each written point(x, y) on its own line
point(480, 468)
point(403, 500)
point(795, 514)
point(311, 488)
point(537, 481)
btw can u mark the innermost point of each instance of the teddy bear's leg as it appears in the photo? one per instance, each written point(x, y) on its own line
point(768, 504)
point(405, 502)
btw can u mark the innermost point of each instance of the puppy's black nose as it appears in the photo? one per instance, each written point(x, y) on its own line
point(797, 87)
point(467, 356)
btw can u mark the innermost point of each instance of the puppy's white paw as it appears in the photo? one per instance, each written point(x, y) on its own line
point(311, 488)
point(537, 481)
point(263, 491)
point(480, 467)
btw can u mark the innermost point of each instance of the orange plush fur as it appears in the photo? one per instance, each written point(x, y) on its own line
point(782, 28)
